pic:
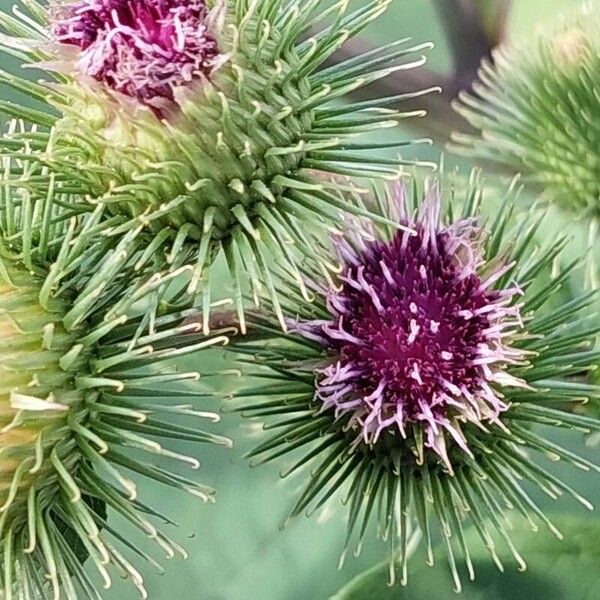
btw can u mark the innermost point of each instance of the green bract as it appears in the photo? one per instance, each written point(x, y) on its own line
point(86, 399)
point(235, 166)
point(536, 110)
point(366, 401)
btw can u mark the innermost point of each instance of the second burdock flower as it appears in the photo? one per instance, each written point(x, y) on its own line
point(208, 120)
point(419, 385)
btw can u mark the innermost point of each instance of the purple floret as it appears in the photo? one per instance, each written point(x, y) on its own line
point(145, 49)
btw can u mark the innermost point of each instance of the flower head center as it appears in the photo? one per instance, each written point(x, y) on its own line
point(419, 319)
point(144, 49)
point(418, 335)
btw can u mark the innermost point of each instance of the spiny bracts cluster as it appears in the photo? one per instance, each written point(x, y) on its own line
point(87, 400)
point(535, 110)
point(167, 132)
point(225, 155)
point(409, 387)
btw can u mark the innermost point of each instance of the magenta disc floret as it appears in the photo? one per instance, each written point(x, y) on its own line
point(418, 333)
point(145, 49)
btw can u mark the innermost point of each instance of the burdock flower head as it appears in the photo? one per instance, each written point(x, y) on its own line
point(419, 334)
point(527, 119)
point(142, 48)
point(210, 121)
point(87, 403)
point(413, 384)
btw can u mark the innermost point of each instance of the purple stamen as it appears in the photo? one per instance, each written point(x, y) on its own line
point(418, 336)
point(145, 49)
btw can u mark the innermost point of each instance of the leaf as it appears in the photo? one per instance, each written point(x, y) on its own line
point(557, 570)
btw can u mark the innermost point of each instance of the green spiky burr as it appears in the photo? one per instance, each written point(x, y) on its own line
point(89, 401)
point(536, 110)
point(230, 161)
point(36, 394)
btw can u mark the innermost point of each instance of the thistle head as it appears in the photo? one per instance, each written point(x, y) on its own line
point(417, 333)
point(144, 49)
point(226, 122)
point(85, 401)
point(410, 384)
point(522, 108)
point(37, 401)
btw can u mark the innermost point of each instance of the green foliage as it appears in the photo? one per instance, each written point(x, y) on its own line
point(565, 570)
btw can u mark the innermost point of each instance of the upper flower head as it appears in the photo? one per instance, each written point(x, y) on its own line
point(417, 333)
point(142, 48)
point(224, 114)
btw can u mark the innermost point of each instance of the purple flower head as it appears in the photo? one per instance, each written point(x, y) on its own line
point(418, 333)
point(145, 49)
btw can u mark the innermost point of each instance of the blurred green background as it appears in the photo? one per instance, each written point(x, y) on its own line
point(237, 550)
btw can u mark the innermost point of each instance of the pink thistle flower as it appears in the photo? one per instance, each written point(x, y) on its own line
point(144, 49)
point(417, 333)
point(426, 384)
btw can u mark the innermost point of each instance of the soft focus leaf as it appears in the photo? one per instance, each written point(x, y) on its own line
point(566, 570)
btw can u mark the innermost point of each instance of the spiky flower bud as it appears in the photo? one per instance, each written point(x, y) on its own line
point(86, 401)
point(412, 385)
point(226, 156)
point(37, 393)
point(535, 110)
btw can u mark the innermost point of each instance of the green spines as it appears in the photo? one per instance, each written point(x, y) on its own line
point(536, 109)
point(38, 398)
point(231, 138)
point(237, 165)
point(87, 401)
